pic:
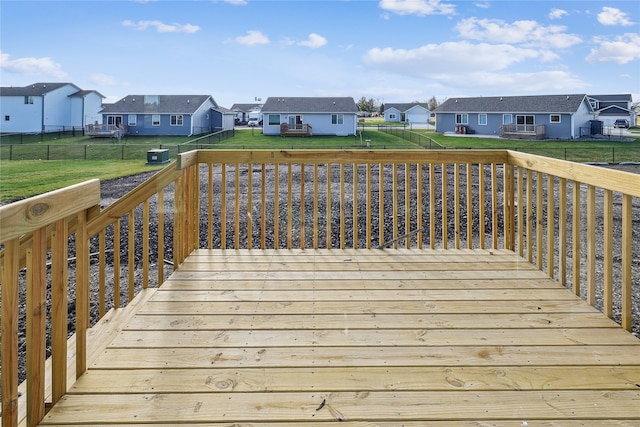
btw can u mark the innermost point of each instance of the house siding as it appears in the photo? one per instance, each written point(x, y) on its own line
point(57, 108)
point(320, 123)
point(22, 117)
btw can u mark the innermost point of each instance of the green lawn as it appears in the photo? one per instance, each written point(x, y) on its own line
point(79, 158)
point(24, 178)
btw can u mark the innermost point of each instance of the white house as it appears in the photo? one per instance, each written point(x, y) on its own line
point(325, 115)
point(414, 112)
point(48, 107)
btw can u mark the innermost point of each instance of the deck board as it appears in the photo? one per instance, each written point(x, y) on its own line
point(360, 338)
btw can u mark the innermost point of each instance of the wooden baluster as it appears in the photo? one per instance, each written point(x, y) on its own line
point(627, 262)
point(481, 208)
point(9, 336)
point(355, 206)
point(250, 207)
point(576, 231)
point(607, 254)
point(263, 213)
point(59, 308)
point(419, 212)
point(342, 204)
point(445, 212)
point(456, 204)
point(289, 206)
point(161, 237)
point(210, 206)
point(102, 245)
point(315, 206)
point(145, 244)
point(591, 244)
point(562, 231)
point(302, 207)
point(551, 227)
point(432, 206)
point(469, 206)
point(36, 312)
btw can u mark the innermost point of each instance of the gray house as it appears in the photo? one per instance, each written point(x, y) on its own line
point(414, 112)
point(310, 116)
point(609, 108)
point(167, 115)
point(541, 116)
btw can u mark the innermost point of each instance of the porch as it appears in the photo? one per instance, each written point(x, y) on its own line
point(383, 337)
point(266, 300)
point(522, 131)
point(299, 129)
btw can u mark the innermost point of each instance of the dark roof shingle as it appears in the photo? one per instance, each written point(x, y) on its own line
point(310, 105)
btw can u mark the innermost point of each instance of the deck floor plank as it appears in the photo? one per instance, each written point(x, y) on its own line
point(360, 338)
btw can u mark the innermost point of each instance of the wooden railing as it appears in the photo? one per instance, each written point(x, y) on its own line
point(544, 209)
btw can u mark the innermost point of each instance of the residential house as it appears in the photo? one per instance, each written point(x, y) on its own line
point(243, 112)
point(167, 115)
point(48, 107)
point(414, 112)
point(540, 116)
point(320, 115)
point(609, 108)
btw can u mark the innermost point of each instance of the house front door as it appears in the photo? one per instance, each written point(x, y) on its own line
point(525, 123)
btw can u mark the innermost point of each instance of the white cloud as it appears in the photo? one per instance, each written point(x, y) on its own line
point(252, 38)
point(449, 57)
point(557, 13)
point(103, 80)
point(237, 2)
point(32, 66)
point(314, 41)
point(161, 27)
point(622, 50)
point(418, 7)
point(500, 83)
point(612, 16)
point(485, 5)
point(530, 33)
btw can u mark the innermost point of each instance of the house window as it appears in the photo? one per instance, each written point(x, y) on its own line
point(554, 118)
point(176, 120)
point(28, 99)
point(337, 119)
point(133, 120)
point(507, 119)
point(152, 99)
point(155, 120)
point(274, 119)
point(392, 116)
point(7, 118)
point(462, 119)
point(482, 119)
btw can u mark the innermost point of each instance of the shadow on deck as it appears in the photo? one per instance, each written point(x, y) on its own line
point(360, 337)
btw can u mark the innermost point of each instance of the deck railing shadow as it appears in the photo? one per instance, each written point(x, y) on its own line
point(72, 269)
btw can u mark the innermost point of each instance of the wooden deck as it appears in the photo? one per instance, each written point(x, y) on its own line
point(360, 338)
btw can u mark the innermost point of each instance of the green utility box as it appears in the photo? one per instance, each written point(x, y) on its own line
point(157, 156)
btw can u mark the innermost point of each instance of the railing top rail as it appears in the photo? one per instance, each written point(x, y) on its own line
point(28, 215)
point(341, 156)
point(608, 179)
point(133, 198)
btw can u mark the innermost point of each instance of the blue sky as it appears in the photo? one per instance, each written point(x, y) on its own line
point(388, 50)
